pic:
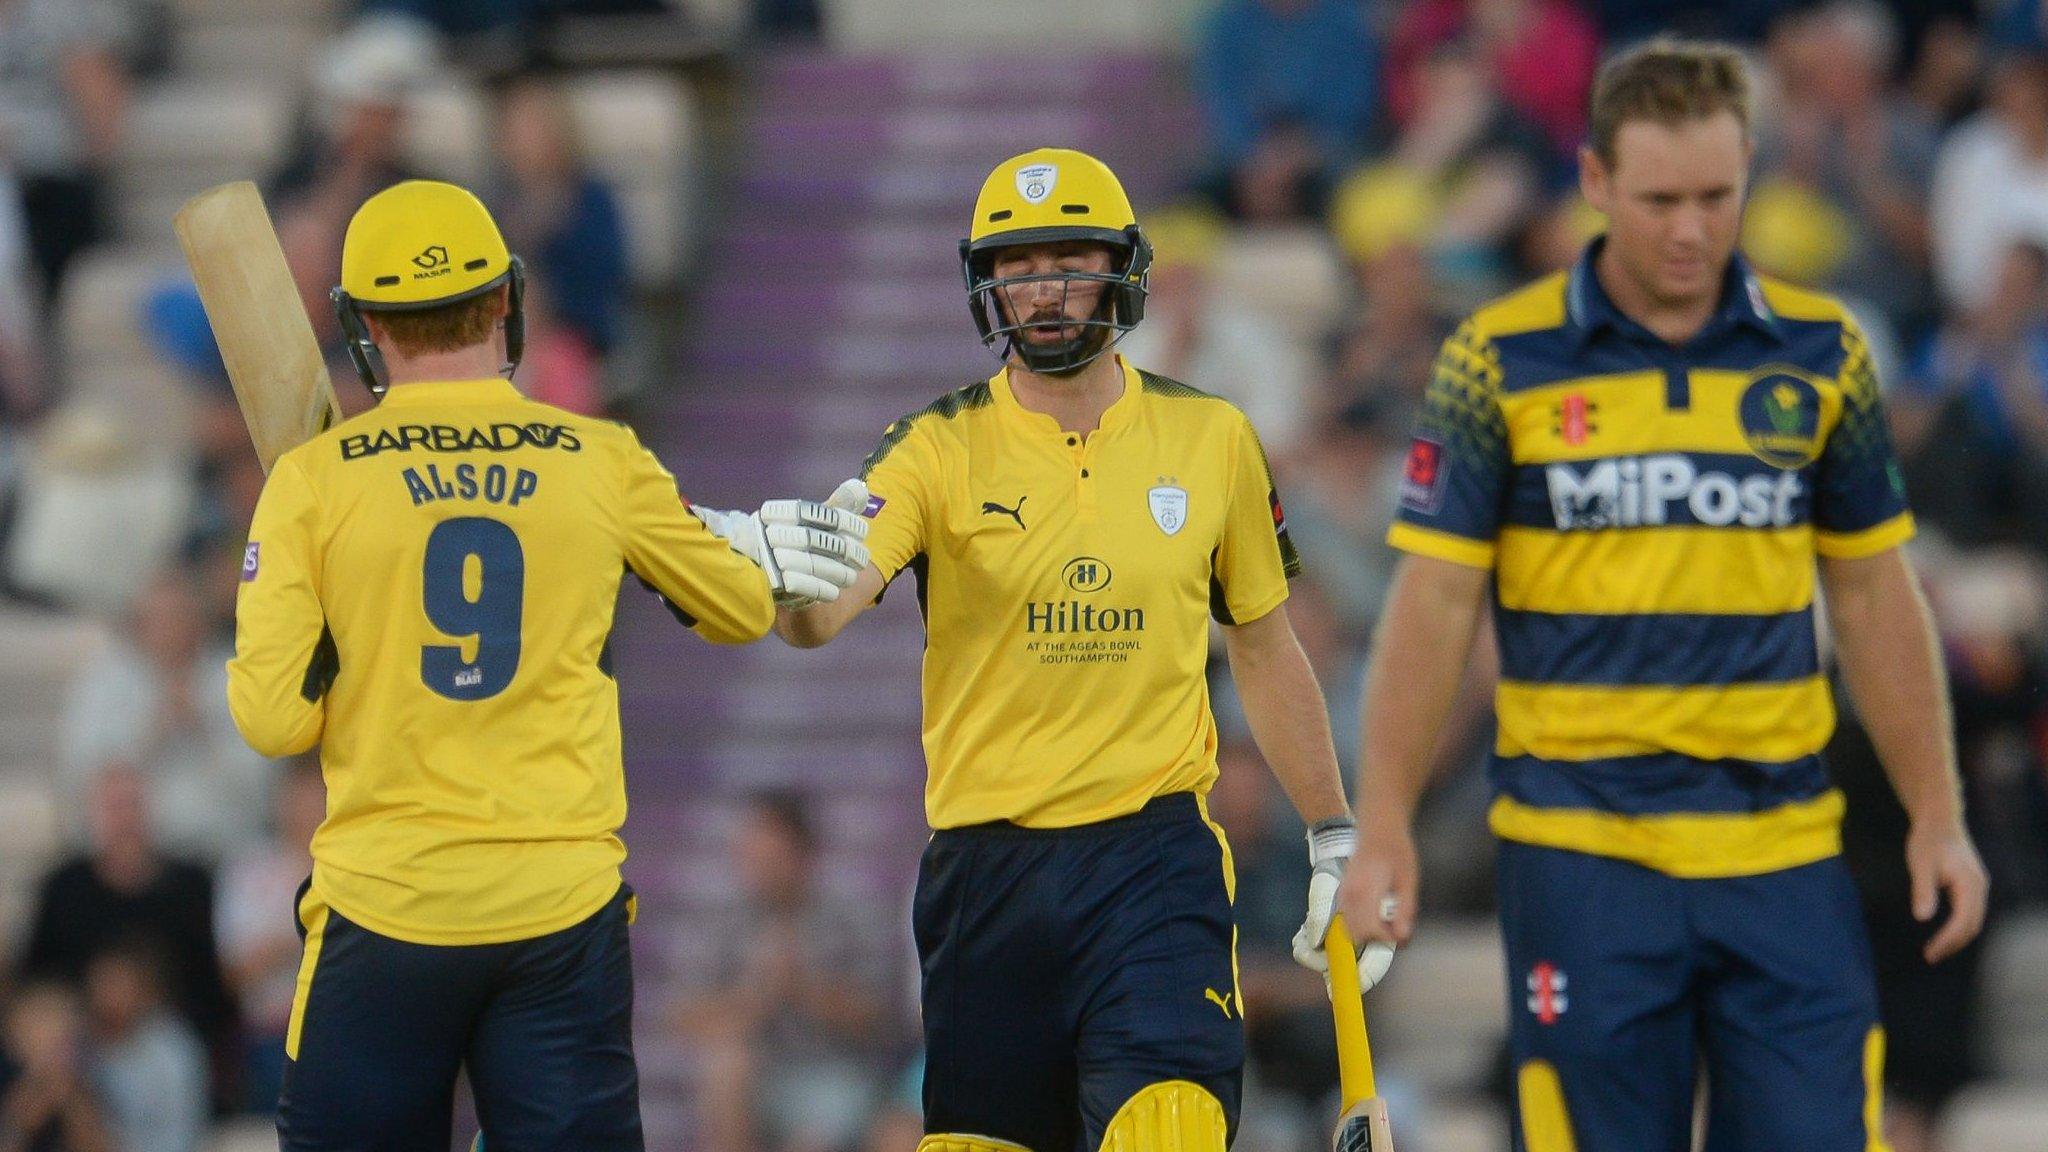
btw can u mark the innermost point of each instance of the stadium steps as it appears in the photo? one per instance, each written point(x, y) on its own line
point(44, 652)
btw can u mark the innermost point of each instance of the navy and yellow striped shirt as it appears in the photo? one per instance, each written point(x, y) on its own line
point(1651, 514)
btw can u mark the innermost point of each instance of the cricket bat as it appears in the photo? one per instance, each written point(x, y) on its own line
point(1363, 1127)
point(265, 339)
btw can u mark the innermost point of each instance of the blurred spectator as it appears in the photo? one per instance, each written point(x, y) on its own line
point(24, 389)
point(464, 17)
point(63, 96)
point(1947, 64)
point(1539, 54)
point(46, 1099)
point(790, 20)
point(1478, 169)
point(788, 1025)
point(157, 698)
point(565, 221)
point(2021, 24)
point(1840, 135)
point(123, 891)
point(518, 20)
point(1340, 502)
point(1292, 1053)
point(1991, 182)
point(898, 1124)
point(1290, 89)
point(1385, 219)
point(1744, 21)
point(1206, 338)
point(350, 147)
point(256, 922)
point(148, 1065)
point(22, 386)
point(1974, 422)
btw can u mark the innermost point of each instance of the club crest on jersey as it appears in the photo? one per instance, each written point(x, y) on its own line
point(1169, 507)
point(1547, 999)
point(249, 560)
point(1035, 182)
point(1780, 415)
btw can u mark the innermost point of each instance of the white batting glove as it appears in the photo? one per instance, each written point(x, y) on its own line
point(1331, 844)
point(809, 550)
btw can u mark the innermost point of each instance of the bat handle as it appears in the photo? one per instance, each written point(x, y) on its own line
point(1347, 1003)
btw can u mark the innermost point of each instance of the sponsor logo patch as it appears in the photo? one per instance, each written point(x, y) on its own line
point(1086, 574)
point(1422, 480)
point(1646, 491)
point(1547, 998)
point(1575, 419)
point(250, 556)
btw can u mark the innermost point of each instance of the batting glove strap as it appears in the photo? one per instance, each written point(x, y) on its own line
point(1332, 842)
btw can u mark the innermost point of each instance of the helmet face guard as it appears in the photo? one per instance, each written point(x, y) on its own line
point(369, 362)
point(1121, 307)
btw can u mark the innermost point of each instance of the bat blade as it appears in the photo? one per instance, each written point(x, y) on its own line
point(265, 338)
point(1364, 1126)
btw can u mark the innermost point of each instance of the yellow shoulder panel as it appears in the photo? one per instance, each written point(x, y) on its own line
point(1528, 309)
point(1800, 303)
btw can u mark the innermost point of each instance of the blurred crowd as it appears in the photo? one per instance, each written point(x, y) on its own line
point(1394, 162)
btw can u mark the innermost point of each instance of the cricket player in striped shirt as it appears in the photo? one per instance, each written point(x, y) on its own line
point(1650, 464)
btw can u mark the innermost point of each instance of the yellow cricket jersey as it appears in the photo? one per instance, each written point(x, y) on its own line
point(1652, 515)
point(427, 595)
point(1067, 585)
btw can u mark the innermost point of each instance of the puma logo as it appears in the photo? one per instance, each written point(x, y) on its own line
point(1221, 1001)
point(1017, 513)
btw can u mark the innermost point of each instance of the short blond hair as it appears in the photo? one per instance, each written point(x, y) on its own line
point(1668, 81)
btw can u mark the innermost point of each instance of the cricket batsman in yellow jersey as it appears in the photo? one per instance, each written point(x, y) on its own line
point(1644, 463)
point(426, 596)
point(1073, 524)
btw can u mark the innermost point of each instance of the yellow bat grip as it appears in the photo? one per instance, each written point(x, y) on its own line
point(1347, 1002)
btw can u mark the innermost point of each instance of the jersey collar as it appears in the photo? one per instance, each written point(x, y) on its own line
point(1116, 416)
point(1589, 310)
point(489, 390)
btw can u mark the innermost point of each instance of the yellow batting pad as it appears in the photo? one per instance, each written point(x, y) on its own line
point(966, 1142)
point(1546, 1126)
point(1173, 1116)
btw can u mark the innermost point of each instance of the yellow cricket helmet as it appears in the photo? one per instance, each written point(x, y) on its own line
point(1046, 196)
point(422, 244)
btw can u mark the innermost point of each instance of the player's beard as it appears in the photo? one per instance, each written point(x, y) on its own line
point(1064, 357)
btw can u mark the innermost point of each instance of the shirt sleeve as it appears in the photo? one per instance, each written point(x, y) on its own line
point(713, 589)
point(285, 657)
point(1456, 477)
point(902, 476)
point(1859, 502)
point(1254, 560)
